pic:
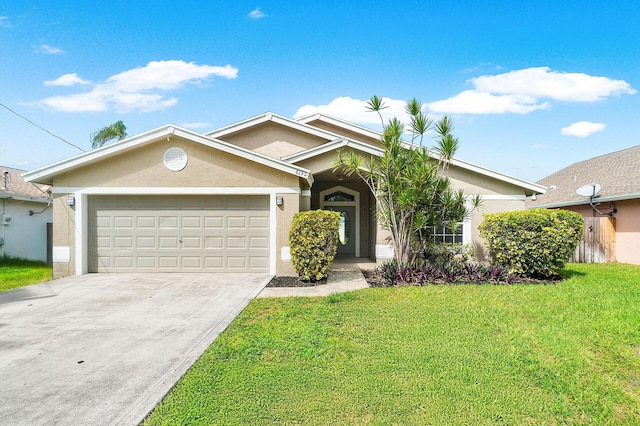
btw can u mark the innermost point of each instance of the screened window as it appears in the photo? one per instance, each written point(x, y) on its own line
point(339, 196)
point(446, 234)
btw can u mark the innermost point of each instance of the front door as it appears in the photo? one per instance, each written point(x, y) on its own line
point(347, 229)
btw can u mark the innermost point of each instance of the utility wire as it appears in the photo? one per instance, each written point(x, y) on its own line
point(40, 127)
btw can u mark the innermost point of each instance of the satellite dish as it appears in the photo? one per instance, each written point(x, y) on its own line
point(589, 190)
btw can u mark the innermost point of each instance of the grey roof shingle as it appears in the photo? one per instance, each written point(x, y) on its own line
point(618, 173)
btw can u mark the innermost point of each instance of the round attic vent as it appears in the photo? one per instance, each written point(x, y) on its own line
point(175, 159)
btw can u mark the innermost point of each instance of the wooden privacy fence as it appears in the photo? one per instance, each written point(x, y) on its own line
point(598, 244)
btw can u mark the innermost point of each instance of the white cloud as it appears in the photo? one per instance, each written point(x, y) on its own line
point(524, 91)
point(139, 89)
point(50, 50)
point(256, 14)
point(582, 129)
point(543, 83)
point(4, 22)
point(355, 110)
point(67, 80)
point(479, 102)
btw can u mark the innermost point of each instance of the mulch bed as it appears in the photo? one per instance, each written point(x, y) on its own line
point(293, 282)
point(374, 280)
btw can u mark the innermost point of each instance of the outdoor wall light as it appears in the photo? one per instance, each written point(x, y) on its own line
point(71, 200)
point(279, 200)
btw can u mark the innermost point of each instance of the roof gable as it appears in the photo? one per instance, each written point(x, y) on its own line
point(271, 117)
point(45, 174)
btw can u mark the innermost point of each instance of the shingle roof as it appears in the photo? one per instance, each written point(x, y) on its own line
point(17, 187)
point(618, 174)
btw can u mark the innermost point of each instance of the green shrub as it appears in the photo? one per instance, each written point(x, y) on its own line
point(313, 241)
point(533, 243)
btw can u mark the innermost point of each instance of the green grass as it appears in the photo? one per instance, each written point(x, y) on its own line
point(16, 273)
point(567, 353)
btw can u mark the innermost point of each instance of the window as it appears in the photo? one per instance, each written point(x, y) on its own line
point(343, 230)
point(339, 196)
point(445, 234)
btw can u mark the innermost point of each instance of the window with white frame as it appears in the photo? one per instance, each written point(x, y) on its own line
point(448, 234)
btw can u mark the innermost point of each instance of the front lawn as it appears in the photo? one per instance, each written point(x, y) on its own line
point(567, 353)
point(16, 273)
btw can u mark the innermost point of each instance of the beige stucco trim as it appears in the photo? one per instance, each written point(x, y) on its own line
point(145, 190)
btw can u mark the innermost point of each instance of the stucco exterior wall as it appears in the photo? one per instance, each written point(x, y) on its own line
point(206, 167)
point(474, 183)
point(284, 216)
point(63, 237)
point(273, 139)
point(24, 236)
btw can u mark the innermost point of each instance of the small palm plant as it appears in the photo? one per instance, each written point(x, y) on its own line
point(108, 133)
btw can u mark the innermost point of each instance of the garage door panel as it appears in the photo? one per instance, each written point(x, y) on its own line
point(124, 262)
point(168, 222)
point(214, 222)
point(193, 222)
point(179, 233)
point(146, 222)
point(146, 242)
point(256, 222)
point(168, 242)
point(192, 262)
point(213, 242)
point(146, 262)
point(123, 222)
point(258, 242)
point(192, 242)
point(123, 242)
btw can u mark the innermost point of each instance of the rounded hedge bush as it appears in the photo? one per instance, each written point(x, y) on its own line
point(534, 243)
point(313, 242)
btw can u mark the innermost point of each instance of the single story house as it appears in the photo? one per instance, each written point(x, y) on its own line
point(174, 200)
point(605, 190)
point(25, 212)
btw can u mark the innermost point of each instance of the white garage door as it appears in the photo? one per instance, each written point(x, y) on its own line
point(178, 234)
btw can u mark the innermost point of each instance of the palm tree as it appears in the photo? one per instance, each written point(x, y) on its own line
point(116, 130)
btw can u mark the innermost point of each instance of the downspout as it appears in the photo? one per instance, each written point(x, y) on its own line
point(4, 212)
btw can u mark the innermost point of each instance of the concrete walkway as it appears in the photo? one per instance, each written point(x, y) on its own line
point(345, 276)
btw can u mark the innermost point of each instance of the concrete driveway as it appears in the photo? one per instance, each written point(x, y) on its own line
point(103, 349)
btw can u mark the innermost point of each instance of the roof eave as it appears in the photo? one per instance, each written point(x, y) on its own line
point(269, 116)
point(332, 146)
point(610, 199)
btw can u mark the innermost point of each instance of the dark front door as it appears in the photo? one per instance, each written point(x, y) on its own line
point(347, 230)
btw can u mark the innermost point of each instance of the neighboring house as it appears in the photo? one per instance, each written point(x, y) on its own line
point(175, 200)
point(25, 211)
point(612, 216)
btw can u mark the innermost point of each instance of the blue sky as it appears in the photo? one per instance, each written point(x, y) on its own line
point(531, 86)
